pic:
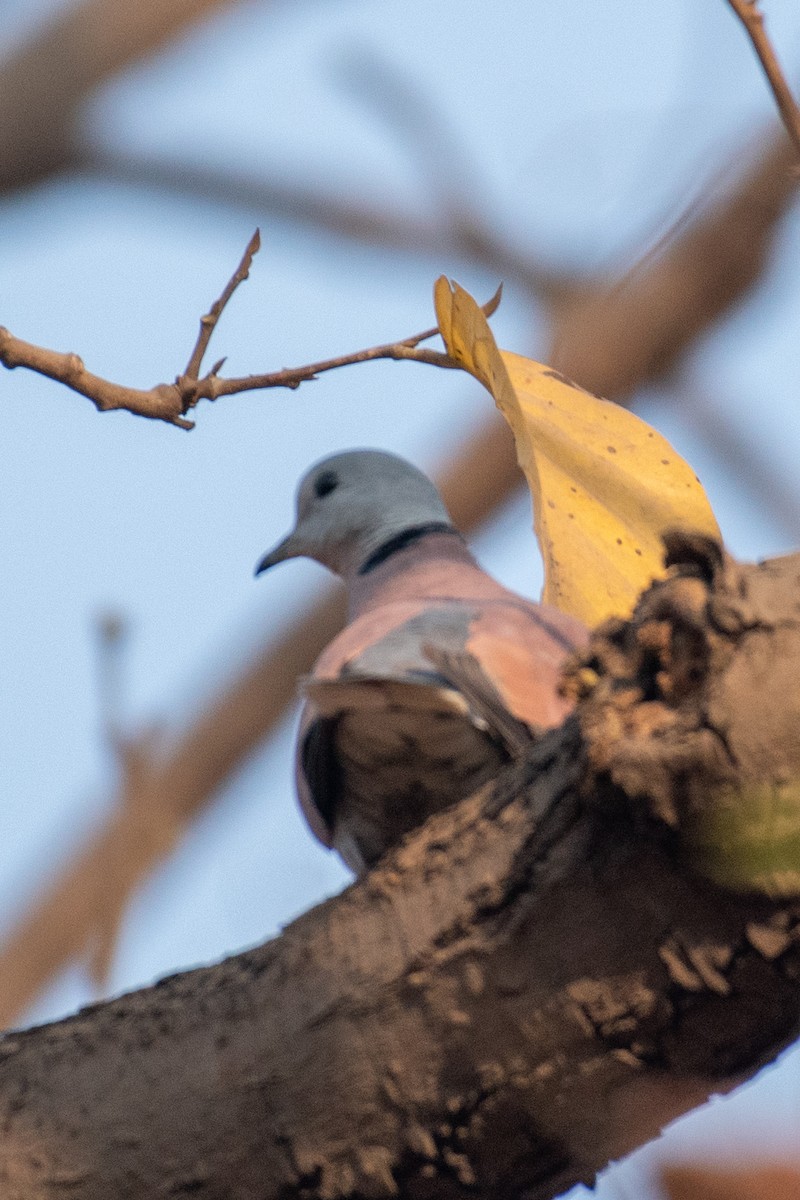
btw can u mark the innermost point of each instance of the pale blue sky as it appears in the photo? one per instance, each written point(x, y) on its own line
point(588, 127)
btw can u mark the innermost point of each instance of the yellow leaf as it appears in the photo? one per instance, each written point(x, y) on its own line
point(605, 485)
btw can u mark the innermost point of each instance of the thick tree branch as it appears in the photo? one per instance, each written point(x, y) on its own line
point(531, 984)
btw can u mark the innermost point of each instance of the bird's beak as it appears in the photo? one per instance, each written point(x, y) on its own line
point(288, 548)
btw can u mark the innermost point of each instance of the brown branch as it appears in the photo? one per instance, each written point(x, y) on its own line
point(170, 402)
point(612, 337)
point(44, 83)
point(212, 387)
point(354, 219)
point(160, 403)
point(752, 18)
point(208, 322)
point(765, 1181)
point(533, 983)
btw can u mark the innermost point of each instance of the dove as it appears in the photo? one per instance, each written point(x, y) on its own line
point(441, 673)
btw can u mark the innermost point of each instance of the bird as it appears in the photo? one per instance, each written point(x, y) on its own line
point(420, 699)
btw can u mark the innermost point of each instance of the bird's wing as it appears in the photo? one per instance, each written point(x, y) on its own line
point(494, 664)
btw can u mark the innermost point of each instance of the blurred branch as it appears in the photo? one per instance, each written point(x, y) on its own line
point(43, 84)
point(387, 227)
point(111, 633)
point(170, 402)
point(129, 756)
point(752, 18)
point(612, 338)
point(762, 1182)
point(732, 444)
point(282, 199)
point(181, 778)
point(433, 145)
point(170, 786)
point(444, 165)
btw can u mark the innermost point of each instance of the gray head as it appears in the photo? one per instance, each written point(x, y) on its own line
point(351, 504)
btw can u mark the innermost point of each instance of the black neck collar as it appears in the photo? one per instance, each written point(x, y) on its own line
point(401, 540)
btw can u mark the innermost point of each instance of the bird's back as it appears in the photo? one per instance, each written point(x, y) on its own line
point(386, 739)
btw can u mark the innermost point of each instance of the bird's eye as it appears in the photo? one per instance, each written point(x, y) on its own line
point(325, 483)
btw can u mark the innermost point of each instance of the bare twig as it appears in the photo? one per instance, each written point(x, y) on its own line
point(161, 403)
point(171, 401)
point(211, 387)
point(208, 322)
point(752, 18)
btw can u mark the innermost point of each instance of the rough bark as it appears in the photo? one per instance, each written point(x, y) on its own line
point(528, 986)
